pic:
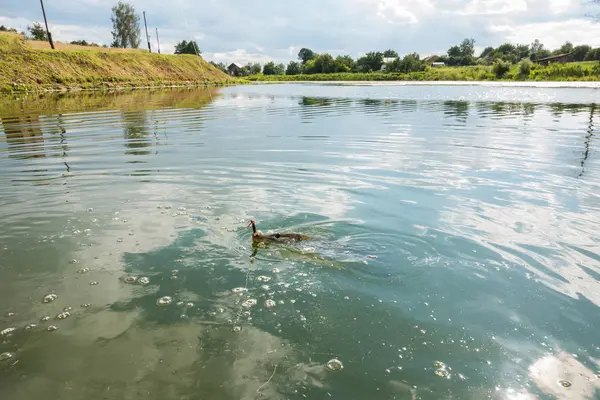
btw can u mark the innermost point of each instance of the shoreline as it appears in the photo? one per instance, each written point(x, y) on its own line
point(533, 84)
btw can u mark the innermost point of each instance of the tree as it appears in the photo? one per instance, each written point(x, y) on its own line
point(580, 52)
point(371, 61)
point(280, 69)
point(467, 48)
point(221, 66)
point(5, 29)
point(454, 51)
point(185, 47)
point(309, 67)
point(564, 49)
point(271, 69)
point(390, 54)
point(523, 51)
point(344, 64)
point(536, 46)
point(293, 68)
point(306, 54)
point(486, 52)
point(410, 63)
point(324, 64)
point(126, 26)
point(36, 32)
point(254, 68)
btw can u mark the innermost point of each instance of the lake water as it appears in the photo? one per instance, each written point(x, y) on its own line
point(455, 249)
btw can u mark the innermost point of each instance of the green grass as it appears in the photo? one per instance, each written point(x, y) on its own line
point(23, 68)
point(583, 71)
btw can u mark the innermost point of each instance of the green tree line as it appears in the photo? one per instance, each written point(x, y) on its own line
point(463, 54)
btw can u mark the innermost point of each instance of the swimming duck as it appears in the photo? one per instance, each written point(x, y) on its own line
point(258, 236)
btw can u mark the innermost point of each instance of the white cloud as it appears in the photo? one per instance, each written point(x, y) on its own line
point(262, 30)
point(239, 56)
point(493, 7)
point(551, 34)
point(559, 6)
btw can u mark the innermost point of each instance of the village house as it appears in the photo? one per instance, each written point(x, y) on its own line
point(234, 69)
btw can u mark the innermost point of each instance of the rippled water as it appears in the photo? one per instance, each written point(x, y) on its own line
point(455, 249)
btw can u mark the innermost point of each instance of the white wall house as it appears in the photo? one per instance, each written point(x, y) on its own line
point(387, 60)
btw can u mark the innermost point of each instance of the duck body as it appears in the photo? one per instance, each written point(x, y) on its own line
point(258, 236)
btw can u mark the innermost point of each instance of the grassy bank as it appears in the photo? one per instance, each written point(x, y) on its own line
point(24, 68)
point(584, 71)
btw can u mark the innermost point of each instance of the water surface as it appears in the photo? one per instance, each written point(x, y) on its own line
point(455, 250)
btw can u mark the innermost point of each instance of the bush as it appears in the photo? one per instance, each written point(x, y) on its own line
point(500, 68)
point(525, 67)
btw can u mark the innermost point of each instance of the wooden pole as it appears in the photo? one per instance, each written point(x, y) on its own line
point(46, 22)
point(157, 41)
point(147, 37)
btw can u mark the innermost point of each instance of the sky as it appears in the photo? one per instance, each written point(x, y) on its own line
point(260, 30)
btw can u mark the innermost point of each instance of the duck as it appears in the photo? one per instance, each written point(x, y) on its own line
point(258, 236)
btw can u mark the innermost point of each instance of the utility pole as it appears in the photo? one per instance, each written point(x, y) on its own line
point(46, 22)
point(147, 37)
point(157, 41)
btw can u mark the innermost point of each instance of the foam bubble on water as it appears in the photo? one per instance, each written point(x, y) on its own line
point(237, 329)
point(265, 287)
point(564, 383)
point(45, 318)
point(180, 304)
point(85, 305)
point(263, 278)
point(93, 283)
point(164, 301)
point(67, 309)
point(168, 207)
point(120, 240)
point(275, 270)
point(52, 328)
point(90, 209)
point(249, 303)
point(269, 303)
point(73, 261)
point(239, 290)
point(30, 326)
point(83, 270)
point(334, 365)
point(49, 298)
point(189, 304)
point(63, 315)
point(6, 356)
point(7, 331)
point(143, 280)
point(130, 279)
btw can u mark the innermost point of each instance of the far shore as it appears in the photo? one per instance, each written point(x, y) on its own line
point(539, 84)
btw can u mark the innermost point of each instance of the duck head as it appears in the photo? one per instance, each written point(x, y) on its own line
point(255, 232)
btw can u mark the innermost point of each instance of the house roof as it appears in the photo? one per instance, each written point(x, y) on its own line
point(556, 56)
point(388, 59)
point(236, 65)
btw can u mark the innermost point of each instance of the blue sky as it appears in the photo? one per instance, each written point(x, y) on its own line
point(260, 30)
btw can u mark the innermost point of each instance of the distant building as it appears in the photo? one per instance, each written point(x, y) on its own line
point(561, 58)
point(234, 69)
point(387, 60)
point(438, 64)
